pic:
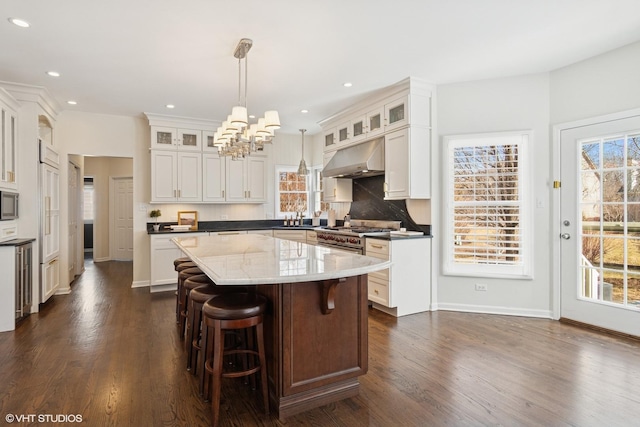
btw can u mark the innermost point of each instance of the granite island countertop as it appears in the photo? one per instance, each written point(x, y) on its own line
point(246, 259)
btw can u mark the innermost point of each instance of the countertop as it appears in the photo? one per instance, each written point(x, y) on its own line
point(17, 242)
point(253, 259)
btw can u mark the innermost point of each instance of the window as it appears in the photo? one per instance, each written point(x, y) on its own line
point(293, 192)
point(317, 200)
point(488, 225)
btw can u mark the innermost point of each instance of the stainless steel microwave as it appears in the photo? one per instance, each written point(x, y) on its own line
point(8, 205)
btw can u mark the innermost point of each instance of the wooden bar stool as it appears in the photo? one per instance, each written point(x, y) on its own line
point(176, 263)
point(233, 311)
point(197, 297)
point(186, 270)
point(191, 280)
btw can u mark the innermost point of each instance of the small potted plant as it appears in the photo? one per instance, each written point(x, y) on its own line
point(155, 214)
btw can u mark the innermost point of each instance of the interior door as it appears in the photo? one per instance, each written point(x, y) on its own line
point(600, 222)
point(122, 197)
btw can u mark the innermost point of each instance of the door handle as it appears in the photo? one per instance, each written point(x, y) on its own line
point(565, 236)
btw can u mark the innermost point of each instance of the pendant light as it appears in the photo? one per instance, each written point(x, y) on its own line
point(302, 169)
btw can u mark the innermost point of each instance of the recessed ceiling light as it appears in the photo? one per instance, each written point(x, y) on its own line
point(170, 106)
point(53, 73)
point(251, 116)
point(19, 22)
point(72, 102)
point(347, 84)
point(304, 111)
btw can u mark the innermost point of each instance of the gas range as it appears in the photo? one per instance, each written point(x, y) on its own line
point(354, 237)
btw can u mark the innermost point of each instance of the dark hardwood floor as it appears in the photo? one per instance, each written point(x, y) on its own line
point(112, 355)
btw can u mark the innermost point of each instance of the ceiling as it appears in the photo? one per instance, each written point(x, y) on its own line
point(129, 57)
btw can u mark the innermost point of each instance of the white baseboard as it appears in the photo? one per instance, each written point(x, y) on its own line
point(63, 291)
point(489, 309)
point(140, 284)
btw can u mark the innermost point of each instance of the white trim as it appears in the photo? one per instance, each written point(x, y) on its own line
point(140, 284)
point(526, 268)
point(491, 309)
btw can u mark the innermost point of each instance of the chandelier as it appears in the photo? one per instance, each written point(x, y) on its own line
point(236, 137)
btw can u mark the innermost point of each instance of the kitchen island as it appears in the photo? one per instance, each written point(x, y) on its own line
point(316, 322)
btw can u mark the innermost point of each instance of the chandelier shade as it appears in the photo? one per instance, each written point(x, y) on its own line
point(236, 137)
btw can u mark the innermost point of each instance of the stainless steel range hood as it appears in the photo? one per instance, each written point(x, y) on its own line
point(357, 161)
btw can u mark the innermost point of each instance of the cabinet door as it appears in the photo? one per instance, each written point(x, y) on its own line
point(50, 274)
point(50, 213)
point(330, 139)
point(213, 178)
point(256, 181)
point(189, 177)
point(235, 175)
point(207, 141)
point(358, 128)
point(8, 148)
point(189, 140)
point(396, 113)
point(163, 138)
point(164, 176)
point(343, 133)
point(396, 165)
point(374, 123)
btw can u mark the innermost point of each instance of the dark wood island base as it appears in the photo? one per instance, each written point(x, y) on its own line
point(314, 354)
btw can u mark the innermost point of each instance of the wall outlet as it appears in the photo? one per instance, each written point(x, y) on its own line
point(481, 287)
point(224, 217)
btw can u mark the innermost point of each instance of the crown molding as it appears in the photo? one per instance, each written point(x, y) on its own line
point(36, 94)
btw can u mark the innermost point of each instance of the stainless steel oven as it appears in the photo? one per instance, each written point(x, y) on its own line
point(352, 238)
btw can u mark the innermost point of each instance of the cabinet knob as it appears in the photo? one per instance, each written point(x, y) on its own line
point(376, 291)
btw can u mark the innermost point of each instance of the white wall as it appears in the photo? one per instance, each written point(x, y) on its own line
point(605, 84)
point(506, 104)
point(90, 134)
point(102, 169)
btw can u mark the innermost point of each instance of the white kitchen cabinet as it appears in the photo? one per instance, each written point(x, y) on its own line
point(163, 276)
point(330, 139)
point(343, 133)
point(336, 189)
point(267, 232)
point(207, 141)
point(396, 113)
point(169, 138)
point(176, 176)
point(245, 179)
point(405, 287)
point(407, 156)
point(213, 178)
point(227, 233)
point(374, 121)
point(299, 235)
point(8, 230)
point(8, 141)
point(312, 237)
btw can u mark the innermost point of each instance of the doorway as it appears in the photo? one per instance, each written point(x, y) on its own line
point(599, 221)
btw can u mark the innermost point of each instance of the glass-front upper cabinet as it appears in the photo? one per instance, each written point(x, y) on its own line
point(189, 140)
point(167, 138)
point(207, 141)
point(344, 136)
point(330, 138)
point(358, 129)
point(396, 113)
point(374, 121)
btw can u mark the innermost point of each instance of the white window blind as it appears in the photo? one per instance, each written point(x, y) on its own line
point(488, 229)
